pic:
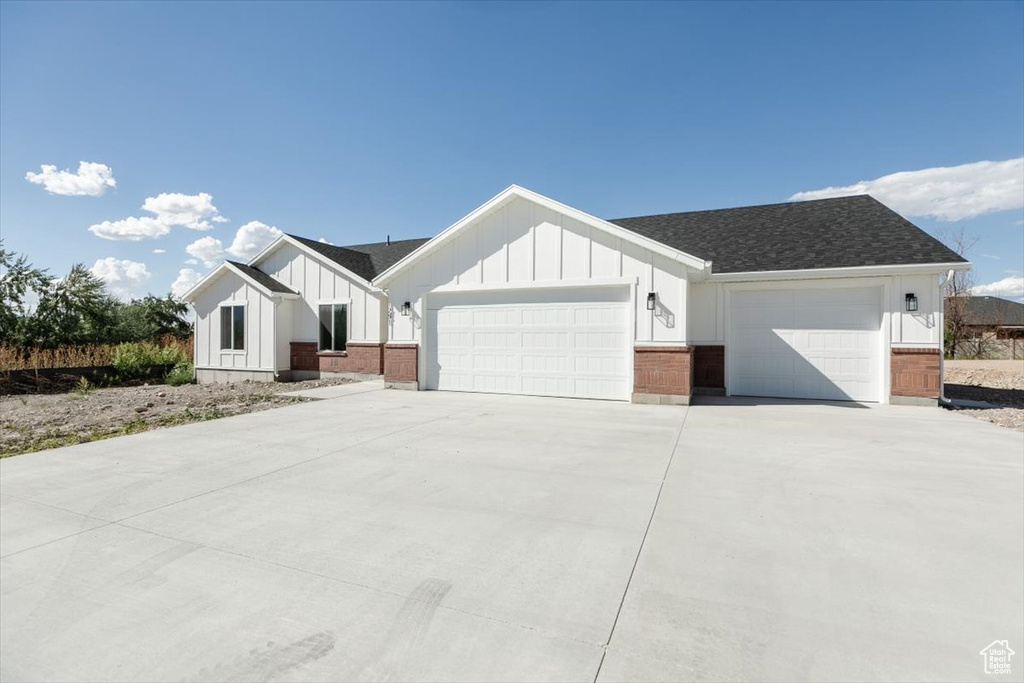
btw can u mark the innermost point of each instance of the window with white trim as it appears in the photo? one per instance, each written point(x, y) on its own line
point(232, 328)
point(333, 327)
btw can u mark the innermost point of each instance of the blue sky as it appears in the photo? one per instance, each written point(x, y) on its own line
point(354, 121)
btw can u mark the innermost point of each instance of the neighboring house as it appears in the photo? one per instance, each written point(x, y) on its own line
point(297, 310)
point(830, 299)
point(990, 317)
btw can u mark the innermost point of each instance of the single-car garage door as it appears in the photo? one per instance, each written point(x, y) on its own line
point(813, 343)
point(549, 342)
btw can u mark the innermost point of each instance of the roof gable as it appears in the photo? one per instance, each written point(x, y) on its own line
point(255, 277)
point(513, 192)
point(843, 232)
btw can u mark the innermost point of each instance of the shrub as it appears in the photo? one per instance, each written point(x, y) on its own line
point(181, 373)
point(133, 360)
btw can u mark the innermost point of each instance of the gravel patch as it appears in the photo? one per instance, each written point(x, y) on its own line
point(38, 421)
point(1004, 389)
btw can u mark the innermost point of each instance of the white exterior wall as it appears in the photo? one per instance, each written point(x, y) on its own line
point(922, 329)
point(523, 244)
point(318, 282)
point(259, 326)
point(285, 307)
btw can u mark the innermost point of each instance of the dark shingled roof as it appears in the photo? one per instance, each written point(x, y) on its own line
point(262, 278)
point(365, 260)
point(825, 233)
point(991, 310)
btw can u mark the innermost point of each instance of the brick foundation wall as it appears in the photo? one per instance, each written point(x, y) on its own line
point(915, 372)
point(361, 357)
point(400, 362)
point(709, 367)
point(666, 370)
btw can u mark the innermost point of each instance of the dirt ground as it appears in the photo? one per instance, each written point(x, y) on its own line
point(37, 421)
point(999, 383)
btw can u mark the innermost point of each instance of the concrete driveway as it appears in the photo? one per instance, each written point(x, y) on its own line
point(432, 536)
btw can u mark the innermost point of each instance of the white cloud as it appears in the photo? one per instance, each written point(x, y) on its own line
point(209, 250)
point(123, 277)
point(159, 251)
point(131, 228)
point(186, 280)
point(948, 193)
point(324, 240)
point(252, 238)
point(91, 179)
point(1007, 288)
point(192, 261)
point(195, 211)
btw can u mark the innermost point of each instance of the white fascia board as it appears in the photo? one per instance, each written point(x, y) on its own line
point(854, 271)
point(190, 295)
point(514, 191)
point(313, 253)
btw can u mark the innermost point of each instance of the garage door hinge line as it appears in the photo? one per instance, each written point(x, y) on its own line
point(643, 541)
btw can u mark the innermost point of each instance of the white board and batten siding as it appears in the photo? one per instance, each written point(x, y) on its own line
point(317, 282)
point(528, 300)
point(230, 289)
point(523, 245)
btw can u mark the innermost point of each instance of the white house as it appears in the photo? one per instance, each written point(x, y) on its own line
point(832, 299)
point(299, 309)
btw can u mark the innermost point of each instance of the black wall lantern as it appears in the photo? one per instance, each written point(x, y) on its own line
point(406, 307)
point(911, 302)
point(651, 298)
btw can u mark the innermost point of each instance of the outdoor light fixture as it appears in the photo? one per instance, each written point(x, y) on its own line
point(406, 307)
point(651, 298)
point(911, 302)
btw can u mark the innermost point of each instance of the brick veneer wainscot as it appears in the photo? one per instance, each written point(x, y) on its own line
point(915, 372)
point(663, 370)
point(400, 362)
point(361, 357)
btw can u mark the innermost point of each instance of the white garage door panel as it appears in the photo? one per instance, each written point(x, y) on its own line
point(819, 344)
point(560, 348)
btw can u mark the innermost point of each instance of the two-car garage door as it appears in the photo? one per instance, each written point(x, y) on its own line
point(552, 342)
point(806, 343)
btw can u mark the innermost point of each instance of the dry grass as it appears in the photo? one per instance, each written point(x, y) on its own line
point(12, 358)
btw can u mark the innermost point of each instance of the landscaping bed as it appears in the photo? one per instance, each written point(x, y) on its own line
point(997, 383)
point(38, 421)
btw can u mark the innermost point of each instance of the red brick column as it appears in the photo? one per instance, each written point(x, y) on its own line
point(400, 363)
point(709, 367)
point(914, 373)
point(662, 374)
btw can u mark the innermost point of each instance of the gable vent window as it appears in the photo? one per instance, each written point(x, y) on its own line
point(333, 327)
point(232, 328)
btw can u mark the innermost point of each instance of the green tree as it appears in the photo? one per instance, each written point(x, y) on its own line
point(149, 318)
point(75, 309)
point(18, 279)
